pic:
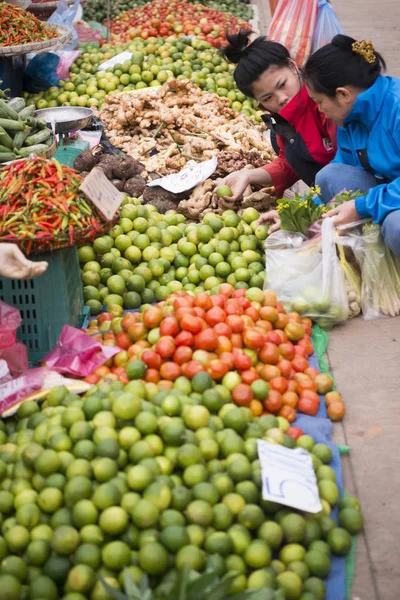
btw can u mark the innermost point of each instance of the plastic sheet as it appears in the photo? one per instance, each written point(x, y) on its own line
point(10, 320)
point(65, 15)
point(327, 26)
point(293, 26)
point(306, 275)
point(78, 354)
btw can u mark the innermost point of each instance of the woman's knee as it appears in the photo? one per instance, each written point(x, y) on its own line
point(391, 231)
point(326, 180)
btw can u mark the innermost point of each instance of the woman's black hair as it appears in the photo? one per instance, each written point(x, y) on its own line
point(253, 58)
point(337, 65)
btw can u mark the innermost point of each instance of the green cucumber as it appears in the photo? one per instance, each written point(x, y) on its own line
point(36, 149)
point(6, 156)
point(12, 125)
point(7, 112)
point(17, 104)
point(5, 139)
point(28, 111)
point(20, 137)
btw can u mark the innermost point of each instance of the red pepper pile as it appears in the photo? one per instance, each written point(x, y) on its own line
point(18, 27)
point(162, 19)
point(40, 200)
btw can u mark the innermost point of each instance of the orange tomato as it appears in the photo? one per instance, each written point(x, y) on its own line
point(256, 408)
point(170, 370)
point(333, 398)
point(336, 411)
point(281, 321)
point(290, 399)
point(280, 384)
point(300, 364)
point(269, 313)
point(273, 402)
point(242, 394)
point(288, 413)
point(249, 376)
point(152, 375)
point(269, 354)
point(268, 372)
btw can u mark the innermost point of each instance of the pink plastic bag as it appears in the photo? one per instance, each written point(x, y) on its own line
point(10, 320)
point(11, 392)
point(67, 57)
point(16, 357)
point(78, 354)
point(293, 26)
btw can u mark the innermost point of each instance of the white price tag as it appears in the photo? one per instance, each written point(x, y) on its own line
point(102, 193)
point(115, 60)
point(288, 477)
point(193, 174)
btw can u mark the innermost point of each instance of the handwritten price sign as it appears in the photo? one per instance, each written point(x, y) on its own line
point(102, 193)
point(288, 477)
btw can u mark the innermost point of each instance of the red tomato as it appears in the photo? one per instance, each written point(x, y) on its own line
point(206, 340)
point(183, 301)
point(280, 384)
point(223, 329)
point(285, 367)
point(304, 382)
point(233, 308)
point(164, 383)
point(287, 350)
point(215, 315)
point(228, 358)
point(307, 406)
point(288, 413)
point(294, 432)
point(137, 331)
point(311, 372)
point(242, 360)
point(218, 301)
point(269, 353)
point(152, 375)
point(152, 317)
point(103, 317)
point(199, 312)
point(92, 378)
point(226, 289)
point(290, 399)
point(191, 323)
point(252, 338)
point(242, 394)
point(310, 395)
point(123, 340)
point(300, 364)
point(273, 402)
point(101, 371)
point(268, 372)
point(235, 323)
point(236, 340)
point(249, 376)
point(203, 300)
point(128, 319)
point(252, 312)
point(239, 293)
point(169, 327)
point(170, 371)
point(281, 321)
point(151, 359)
point(244, 303)
point(185, 310)
point(217, 369)
point(336, 411)
point(274, 338)
point(165, 347)
point(300, 351)
point(263, 325)
point(224, 344)
point(182, 355)
point(190, 369)
point(184, 338)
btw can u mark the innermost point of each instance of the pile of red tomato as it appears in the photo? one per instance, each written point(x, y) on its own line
point(251, 346)
point(162, 19)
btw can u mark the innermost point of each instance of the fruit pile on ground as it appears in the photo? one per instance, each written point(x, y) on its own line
point(96, 10)
point(148, 256)
point(133, 476)
point(240, 339)
point(161, 19)
point(153, 62)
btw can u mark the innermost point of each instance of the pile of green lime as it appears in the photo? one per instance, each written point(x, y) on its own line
point(154, 61)
point(147, 479)
point(147, 256)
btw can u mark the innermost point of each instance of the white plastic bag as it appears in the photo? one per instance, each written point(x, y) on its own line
point(65, 15)
point(328, 25)
point(306, 275)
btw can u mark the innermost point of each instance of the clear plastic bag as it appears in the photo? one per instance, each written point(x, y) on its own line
point(293, 26)
point(380, 268)
point(65, 15)
point(328, 25)
point(306, 275)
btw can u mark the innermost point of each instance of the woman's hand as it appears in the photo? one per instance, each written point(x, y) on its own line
point(238, 182)
point(269, 216)
point(14, 264)
point(344, 214)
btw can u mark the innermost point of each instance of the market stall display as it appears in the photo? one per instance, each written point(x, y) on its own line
point(19, 27)
point(166, 127)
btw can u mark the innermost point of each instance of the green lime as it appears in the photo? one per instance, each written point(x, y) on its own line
point(153, 558)
point(339, 541)
point(351, 519)
point(319, 564)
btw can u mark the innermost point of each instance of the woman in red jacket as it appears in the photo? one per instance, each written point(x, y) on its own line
point(305, 138)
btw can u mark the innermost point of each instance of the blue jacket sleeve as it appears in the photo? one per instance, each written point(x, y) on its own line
point(380, 201)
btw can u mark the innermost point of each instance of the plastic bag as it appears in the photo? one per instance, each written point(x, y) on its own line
point(328, 25)
point(78, 354)
point(380, 268)
point(65, 15)
point(10, 320)
point(352, 282)
point(41, 72)
point(67, 57)
point(306, 275)
point(293, 26)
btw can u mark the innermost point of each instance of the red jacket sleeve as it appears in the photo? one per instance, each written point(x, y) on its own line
point(282, 174)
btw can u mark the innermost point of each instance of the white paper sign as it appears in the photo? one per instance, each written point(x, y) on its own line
point(193, 174)
point(102, 193)
point(115, 60)
point(288, 477)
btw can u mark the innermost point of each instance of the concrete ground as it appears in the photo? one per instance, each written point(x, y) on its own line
point(364, 357)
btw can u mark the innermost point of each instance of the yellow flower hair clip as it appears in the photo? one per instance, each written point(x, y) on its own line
point(365, 49)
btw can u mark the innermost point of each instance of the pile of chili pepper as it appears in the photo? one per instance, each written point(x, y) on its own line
point(40, 201)
point(18, 27)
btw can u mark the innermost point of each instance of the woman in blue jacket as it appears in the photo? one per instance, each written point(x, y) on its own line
point(345, 79)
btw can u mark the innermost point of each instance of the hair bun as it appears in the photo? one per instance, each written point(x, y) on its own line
point(237, 44)
point(344, 42)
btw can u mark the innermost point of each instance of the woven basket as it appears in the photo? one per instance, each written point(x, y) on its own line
point(43, 10)
point(65, 36)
